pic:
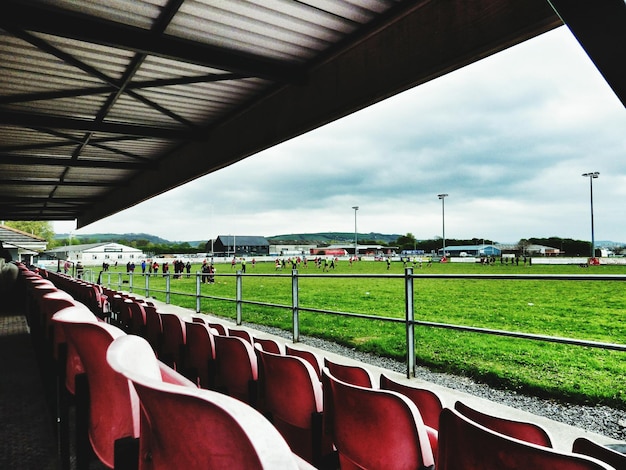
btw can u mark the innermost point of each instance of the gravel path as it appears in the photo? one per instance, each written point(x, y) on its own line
point(602, 420)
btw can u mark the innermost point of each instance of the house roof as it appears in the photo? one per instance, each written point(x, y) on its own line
point(18, 238)
point(87, 246)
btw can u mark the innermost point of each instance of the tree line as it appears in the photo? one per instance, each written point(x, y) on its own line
point(43, 229)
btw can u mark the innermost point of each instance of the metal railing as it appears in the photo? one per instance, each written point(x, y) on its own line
point(125, 281)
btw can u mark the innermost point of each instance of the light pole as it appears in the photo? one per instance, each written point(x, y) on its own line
point(356, 240)
point(443, 220)
point(592, 175)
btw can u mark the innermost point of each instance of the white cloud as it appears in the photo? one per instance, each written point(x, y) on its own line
point(508, 138)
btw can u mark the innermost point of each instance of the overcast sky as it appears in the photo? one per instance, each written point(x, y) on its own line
point(507, 138)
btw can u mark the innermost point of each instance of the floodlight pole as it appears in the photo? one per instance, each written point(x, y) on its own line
point(592, 175)
point(356, 240)
point(443, 220)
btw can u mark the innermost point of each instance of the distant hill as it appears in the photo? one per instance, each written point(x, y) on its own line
point(331, 237)
point(108, 237)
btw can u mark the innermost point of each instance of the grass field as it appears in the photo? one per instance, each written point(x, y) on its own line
point(589, 310)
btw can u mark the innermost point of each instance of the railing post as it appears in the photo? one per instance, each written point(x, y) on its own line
point(410, 325)
point(147, 284)
point(198, 291)
point(239, 296)
point(167, 288)
point(130, 282)
point(295, 314)
point(119, 281)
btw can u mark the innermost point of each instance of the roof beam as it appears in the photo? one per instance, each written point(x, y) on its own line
point(135, 85)
point(50, 20)
point(600, 28)
point(62, 122)
point(27, 160)
point(51, 182)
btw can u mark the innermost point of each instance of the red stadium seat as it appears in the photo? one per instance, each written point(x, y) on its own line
point(428, 402)
point(125, 315)
point(375, 429)
point(113, 411)
point(316, 361)
point(243, 334)
point(221, 329)
point(355, 375)
point(137, 318)
point(200, 354)
point(465, 444)
point(154, 328)
point(605, 454)
point(210, 430)
point(269, 345)
point(172, 348)
point(236, 368)
point(292, 398)
point(523, 431)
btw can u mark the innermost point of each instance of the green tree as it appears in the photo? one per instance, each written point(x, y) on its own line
point(406, 242)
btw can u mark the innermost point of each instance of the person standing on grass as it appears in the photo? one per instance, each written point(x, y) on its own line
point(79, 270)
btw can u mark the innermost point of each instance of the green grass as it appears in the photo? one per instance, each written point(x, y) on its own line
point(589, 310)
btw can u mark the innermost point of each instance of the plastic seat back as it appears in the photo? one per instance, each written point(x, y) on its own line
point(221, 329)
point(605, 454)
point(353, 374)
point(375, 429)
point(236, 368)
point(428, 402)
point(172, 341)
point(316, 361)
point(465, 444)
point(73, 364)
point(200, 350)
point(125, 315)
point(292, 396)
point(137, 319)
point(269, 345)
point(154, 329)
point(52, 302)
point(243, 334)
point(113, 408)
point(523, 431)
point(211, 430)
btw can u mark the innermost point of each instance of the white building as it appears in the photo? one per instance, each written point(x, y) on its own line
point(21, 245)
point(93, 254)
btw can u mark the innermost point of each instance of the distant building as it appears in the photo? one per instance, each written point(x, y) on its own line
point(238, 245)
point(471, 251)
point(542, 250)
point(21, 245)
point(97, 253)
point(361, 250)
point(291, 250)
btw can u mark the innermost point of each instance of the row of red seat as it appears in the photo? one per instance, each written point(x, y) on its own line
point(321, 408)
point(177, 425)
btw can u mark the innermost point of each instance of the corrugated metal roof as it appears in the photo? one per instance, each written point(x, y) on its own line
point(104, 104)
